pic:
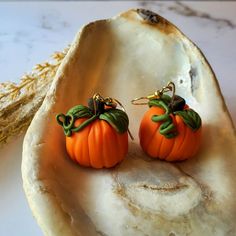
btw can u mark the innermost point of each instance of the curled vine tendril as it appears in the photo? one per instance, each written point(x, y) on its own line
point(167, 128)
point(68, 123)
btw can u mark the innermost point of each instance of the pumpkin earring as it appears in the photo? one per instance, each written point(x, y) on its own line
point(169, 130)
point(97, 134)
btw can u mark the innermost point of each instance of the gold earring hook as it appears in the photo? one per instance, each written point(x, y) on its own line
point(157, 94)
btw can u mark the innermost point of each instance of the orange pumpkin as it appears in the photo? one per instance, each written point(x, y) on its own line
point(96, 136)
point(169, 130)
point(181, 147)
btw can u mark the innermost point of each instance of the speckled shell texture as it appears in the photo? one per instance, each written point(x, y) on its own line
point(125, 57)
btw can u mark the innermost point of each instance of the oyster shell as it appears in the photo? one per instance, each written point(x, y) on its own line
point(129, 56)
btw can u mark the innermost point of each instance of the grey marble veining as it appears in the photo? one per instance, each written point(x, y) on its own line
point(185, 10)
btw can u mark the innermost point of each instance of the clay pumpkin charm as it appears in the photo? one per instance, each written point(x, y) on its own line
point(97, 135)
point(169, 130)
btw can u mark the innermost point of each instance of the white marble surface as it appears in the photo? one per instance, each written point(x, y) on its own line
point(31, 31)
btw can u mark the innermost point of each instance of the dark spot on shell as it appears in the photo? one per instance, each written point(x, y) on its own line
point(171, 234)
point(193, 77)
point(148, 15)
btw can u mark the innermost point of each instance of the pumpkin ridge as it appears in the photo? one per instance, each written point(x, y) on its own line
point(160, 147)
point(102, 151)
point(167, 146)
point(157, 127)
point(90, 137)
point(120, 146)
point(75, 140)
point(152, 139)
point(108, 137)
point(174, 139)
point(76, 144)
point(84, 146)
point(91, 144)
point(117, 141)
point(118, 138)
point(143, 142)
point(80, 145)
point(73, 151)
point(172, 149)
point(185, 131)
point(98, 157)
point(175, 149)
point(152, 136)
point(69, 148)
point(188, 151)
point(89, 158)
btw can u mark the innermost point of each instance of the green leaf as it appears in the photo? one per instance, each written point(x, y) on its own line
point(80, 111)
point(190, 118)
point(118, 119)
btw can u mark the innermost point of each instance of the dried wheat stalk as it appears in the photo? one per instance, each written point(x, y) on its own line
point(19, 102)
